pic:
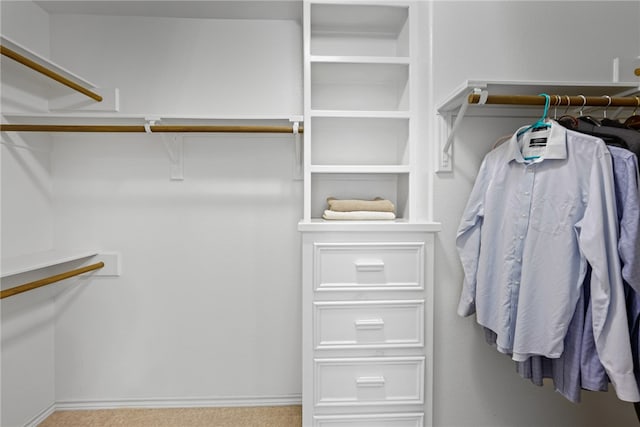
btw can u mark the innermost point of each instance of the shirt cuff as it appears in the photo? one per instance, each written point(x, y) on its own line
point(626, 387)
point(466, 307)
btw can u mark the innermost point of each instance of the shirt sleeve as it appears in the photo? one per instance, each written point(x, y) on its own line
point(468, 241)
point(629, 244)
point(598, 239)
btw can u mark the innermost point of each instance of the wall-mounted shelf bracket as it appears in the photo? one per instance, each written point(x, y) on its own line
point(298, 159)
point(174, 146)
point(448, 130)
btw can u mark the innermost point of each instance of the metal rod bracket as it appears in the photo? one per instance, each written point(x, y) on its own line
point(298, 158)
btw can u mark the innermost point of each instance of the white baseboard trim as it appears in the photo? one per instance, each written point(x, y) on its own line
point(41, 416)
point(204, 402)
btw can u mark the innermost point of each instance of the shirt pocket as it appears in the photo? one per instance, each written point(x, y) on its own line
point(553, 214)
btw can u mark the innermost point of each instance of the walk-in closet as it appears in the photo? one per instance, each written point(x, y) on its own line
point(297, 213)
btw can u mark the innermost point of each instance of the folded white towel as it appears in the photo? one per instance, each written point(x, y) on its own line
point(358, 215)
point(351, 205)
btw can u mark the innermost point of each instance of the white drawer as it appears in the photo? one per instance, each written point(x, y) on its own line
point(354, 266)
point(373, 420)
point(368, 324)
point(369, 381)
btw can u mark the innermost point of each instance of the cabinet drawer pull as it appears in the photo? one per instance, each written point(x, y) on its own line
point(369, 266)
point(370, 381)
point(369, 323)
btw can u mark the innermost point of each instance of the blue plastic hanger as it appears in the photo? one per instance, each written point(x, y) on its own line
point(541, 123)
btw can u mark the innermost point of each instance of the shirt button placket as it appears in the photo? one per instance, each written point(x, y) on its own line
point(525, 190)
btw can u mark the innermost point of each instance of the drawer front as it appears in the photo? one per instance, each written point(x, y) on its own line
point(368, 324)
point(358, 266)
point(369, 381)
point(373, 420)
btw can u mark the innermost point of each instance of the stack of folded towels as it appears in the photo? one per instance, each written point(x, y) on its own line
point(354, 209)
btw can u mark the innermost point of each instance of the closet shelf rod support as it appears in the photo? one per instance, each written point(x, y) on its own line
point(47, 72)
point(478, 94)
point(49, 280)
point(152, 128)
point(556, 100)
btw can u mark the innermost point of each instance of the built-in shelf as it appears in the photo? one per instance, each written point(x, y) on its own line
point(458, 96)
point(323, 225)
point(455, 106)
point(13, 268)
point(138, 119)
point(382, 169)
point(355, 29)
point(360, 59)
point(359, 86)
point(30, 262)
point(28, 73)
point(44, 62)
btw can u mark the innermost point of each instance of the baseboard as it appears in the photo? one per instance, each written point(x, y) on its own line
point(206, 402)
point(41, 416)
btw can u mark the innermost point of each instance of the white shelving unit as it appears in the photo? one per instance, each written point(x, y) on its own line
point(359, 108)
point(367, 285)
point(453, 108)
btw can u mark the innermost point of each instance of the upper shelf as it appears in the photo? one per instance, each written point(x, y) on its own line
point(359, 30)
point(121, 123)
point(44, 62)
point(25, 263)
point(360, 59)
point(458, 97)
point(457, 104)
point(135, 119)
point(28, 75)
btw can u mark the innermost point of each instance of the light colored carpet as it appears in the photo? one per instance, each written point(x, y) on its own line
point(263, 416)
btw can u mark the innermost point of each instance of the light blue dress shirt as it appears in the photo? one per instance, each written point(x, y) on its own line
point(527, 234)
point(579, 366)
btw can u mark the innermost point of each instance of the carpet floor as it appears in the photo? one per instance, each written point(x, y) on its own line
point(262, 416)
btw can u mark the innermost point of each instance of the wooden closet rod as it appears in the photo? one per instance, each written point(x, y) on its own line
point(559, 100)
point(49, 73)
point(141, 128)
point(637, 72)
point(49, 280)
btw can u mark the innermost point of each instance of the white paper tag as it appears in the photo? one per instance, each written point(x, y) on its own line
point(534, 143)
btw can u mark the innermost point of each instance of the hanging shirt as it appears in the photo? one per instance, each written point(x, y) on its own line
point(526, 236)
point(625, 166)
point(579, 367)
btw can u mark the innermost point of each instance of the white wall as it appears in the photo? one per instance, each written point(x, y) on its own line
point(207, 307)
point(27, 331)
point(556, 41)
point(171, 66)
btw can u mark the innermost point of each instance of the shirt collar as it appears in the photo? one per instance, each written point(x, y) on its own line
point(556, 144)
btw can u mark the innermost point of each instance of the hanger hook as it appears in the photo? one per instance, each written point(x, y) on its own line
point(584, 102)
point(635, 110)
point(557, 104)
point(547, 101)
point(568, 105)
point(607, 107)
